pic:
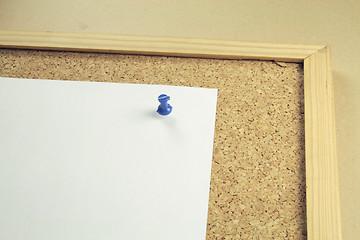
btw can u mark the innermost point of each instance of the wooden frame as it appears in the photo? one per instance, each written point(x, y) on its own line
point(322, 190)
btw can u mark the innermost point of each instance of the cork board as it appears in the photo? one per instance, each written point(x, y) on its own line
point(258, 171)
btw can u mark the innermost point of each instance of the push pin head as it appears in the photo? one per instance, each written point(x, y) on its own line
point(164, 108)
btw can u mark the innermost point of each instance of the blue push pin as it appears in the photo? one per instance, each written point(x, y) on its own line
point(164, 108)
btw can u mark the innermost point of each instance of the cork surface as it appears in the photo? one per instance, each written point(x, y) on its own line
point(258, 171)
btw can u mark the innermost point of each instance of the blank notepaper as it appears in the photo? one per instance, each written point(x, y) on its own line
point(89, 160)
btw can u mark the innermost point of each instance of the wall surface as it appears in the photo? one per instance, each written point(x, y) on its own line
point(335, 23)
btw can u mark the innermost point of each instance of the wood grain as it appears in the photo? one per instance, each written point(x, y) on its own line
point(323, 206)
point(166, 46)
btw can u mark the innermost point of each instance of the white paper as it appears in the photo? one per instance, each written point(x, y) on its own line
point(86, 160)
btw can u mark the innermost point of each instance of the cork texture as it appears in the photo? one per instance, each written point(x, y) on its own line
point(258, 170)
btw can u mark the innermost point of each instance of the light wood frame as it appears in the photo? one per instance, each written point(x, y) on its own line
point(322, 190)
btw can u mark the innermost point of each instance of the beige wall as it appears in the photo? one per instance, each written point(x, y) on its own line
point(336, 23)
